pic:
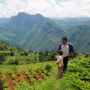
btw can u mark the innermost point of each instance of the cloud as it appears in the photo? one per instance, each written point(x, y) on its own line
point(49, 8)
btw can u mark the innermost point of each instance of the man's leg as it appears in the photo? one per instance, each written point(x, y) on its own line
point(65, 63)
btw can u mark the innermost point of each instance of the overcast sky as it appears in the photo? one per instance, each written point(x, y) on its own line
point(48, 8)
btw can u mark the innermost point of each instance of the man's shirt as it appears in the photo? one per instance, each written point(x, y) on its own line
point(65, 49)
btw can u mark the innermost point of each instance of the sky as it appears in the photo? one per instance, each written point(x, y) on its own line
point(48, 8)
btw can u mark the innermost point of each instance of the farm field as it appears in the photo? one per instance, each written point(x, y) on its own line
point(43, 76)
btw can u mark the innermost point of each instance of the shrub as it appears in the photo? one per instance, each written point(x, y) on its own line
point(1, 59)
point(13, 62)
point(1, 85)
point(24, 54)
point(48, 67)
point(12, 53)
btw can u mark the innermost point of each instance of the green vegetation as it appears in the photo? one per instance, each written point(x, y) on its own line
point(43, 76)
point(31, 32)
point(14, 56)
point(38, 33)
point(75, 28)
point(22, 70)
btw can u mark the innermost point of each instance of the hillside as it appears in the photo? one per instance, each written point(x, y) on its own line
point(43, 76)
point(21, 70)
point(7, 53)
point(38, 33)
point(31, 32)
point(78, 32)
point(10, 55)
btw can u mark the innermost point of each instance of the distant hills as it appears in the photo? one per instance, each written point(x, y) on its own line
point(31, 32)
point(78, 32)
point(36, 32)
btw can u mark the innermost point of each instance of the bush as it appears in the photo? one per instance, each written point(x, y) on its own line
point(48, 67)
point(24, 54)
point(1, 85)
point(87, 55)
point(1, 59)
point(12, 53)
point(13, 62)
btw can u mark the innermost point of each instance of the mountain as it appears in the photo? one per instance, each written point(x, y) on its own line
point(78, 32)
point(32, 32)
point(81, 38)
point(36, 32)
point(3, 21)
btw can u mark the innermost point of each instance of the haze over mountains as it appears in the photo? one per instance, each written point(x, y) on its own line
point(36, 32)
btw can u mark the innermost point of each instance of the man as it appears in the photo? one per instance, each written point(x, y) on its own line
point(68, 51)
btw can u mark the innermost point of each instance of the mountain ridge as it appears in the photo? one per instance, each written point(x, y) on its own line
point(32, 28)
point(36, 32)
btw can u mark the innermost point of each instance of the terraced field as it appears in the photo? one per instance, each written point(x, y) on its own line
point(43, 76)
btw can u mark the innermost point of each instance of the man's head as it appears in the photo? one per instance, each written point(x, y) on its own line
point(64, 40)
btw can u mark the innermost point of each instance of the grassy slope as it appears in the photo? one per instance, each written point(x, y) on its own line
point(78, 68)
point(71, 80)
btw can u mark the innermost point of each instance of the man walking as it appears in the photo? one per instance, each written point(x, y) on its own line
point(68, 51)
